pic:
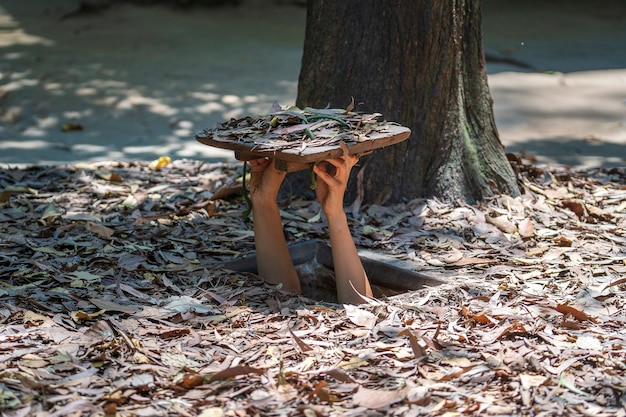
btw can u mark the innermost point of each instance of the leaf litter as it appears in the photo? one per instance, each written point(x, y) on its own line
point(113, 301)
point(292, 127)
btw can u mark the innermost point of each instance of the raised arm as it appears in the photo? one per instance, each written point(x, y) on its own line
point(273, 261)
point(331, 186)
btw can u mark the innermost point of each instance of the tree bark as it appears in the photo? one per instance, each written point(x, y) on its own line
point(419, 63)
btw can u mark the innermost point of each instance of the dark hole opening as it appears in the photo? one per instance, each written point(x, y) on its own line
point(314, 262)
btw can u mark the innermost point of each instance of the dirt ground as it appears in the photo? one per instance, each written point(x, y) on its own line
point(133, 83)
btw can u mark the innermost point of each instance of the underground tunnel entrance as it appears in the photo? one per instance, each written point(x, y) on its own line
point(314, 263)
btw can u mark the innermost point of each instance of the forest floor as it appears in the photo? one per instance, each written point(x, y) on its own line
point(112, 295)
point(113, 300)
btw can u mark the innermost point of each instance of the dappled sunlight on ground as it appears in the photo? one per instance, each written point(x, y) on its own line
point(133, 83)
point(577, 118)
point(11, 34)
point(112, 87)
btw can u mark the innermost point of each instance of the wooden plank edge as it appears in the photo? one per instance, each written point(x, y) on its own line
point(244, 152)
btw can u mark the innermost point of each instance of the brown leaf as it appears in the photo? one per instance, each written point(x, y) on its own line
point(577, 207)
point(353, 363)
point(100, 230)
point(80, 315)
point(563, 241)
point(614, 283)
point(350, 106)
point(340, 375)
point(360, 317)
point(111, 176)
point(432, 343)
point(418, 350)
point(235, 371)
point(227, 191)
point(532, 381)
point(318, 387)
point(525, 228)
point(375, 398)
point(110, 408)
point(516, 327)
point(598, 213)
point(311, 411)
point(192, 380)
point(301, 344)
point(174, 333)
point(577, 314)
point(479, 318)
point(502, 223)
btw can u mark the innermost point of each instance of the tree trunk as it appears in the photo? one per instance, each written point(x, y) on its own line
point(419, 63)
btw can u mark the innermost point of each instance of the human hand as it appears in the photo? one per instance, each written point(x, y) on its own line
point(273, 261)
point(332, 180)
point(265, 180)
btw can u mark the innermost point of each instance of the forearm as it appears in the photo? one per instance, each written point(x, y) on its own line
point(273, 260)
point(349, 273)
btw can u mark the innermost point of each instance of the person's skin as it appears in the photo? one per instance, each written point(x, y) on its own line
point(273, 261)
point(272, 255)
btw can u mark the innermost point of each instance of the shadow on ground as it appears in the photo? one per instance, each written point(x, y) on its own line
point(133, 83)
point(555, 35)
point(571, 152)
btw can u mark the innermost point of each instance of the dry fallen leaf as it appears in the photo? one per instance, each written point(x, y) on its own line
point(359, 316)
point(418, 351)
point(113, 306)
point(550, 289)
point(502, 223)
point(100, 230)
point(109, 175)
point(525, 228)
point(577, 314)
point(235, 371)
point(374, 399)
